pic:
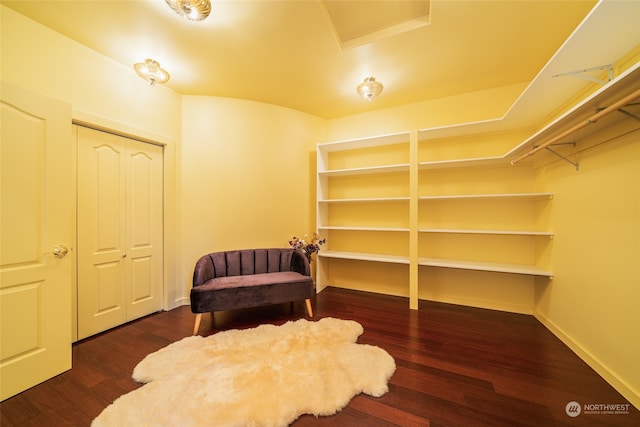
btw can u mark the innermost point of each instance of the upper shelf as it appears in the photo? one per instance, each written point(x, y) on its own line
point(603, 107)
point(366, 200)
point(361, 228)
point(490, 196)
point(352, 144)
point(463, 163)
point(486, 266)
point(396, 259)
point(366, 170)
point(487, 232)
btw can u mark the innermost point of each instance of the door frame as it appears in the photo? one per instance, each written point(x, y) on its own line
point(172, 297)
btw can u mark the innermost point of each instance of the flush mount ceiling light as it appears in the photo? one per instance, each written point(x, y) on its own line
point(369, 88)
point(193, 10)
point(150, 71)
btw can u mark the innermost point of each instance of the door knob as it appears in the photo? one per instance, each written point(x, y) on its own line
point(60, 251)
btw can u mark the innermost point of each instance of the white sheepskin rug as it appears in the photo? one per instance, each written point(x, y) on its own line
point(265, 376)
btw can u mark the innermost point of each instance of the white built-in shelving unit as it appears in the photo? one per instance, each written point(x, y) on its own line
point(363, 204)
point(347, 207)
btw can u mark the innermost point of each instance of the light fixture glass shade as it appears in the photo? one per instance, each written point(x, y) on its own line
point(369, 88)
point(150, 71)
point(193, 10)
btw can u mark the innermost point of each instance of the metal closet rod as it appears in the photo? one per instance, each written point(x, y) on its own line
point(594, 118)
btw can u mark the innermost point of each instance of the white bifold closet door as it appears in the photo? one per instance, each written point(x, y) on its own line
point(120, 230)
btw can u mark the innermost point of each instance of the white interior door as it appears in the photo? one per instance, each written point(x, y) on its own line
point(119, 230)
point(36, 232)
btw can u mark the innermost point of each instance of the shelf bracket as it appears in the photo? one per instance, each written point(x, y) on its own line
point(574, 164)
point(548, 148)
point(629, 113)
point(580, 73)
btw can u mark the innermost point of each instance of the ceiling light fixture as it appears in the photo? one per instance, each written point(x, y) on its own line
point(150, 71)
point(193, 10)
point(369, 88)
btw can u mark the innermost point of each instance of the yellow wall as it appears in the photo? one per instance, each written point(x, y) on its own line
point(593, 303)
point(248, 178)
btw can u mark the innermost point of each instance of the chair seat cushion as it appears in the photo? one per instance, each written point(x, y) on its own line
point(251, 280)
point(251, 290)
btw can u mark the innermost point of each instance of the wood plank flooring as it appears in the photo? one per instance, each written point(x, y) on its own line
point(456, 366)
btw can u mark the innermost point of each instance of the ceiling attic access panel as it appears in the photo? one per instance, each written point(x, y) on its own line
point(357, 23)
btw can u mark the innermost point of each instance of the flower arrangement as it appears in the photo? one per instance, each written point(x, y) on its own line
point(307, 247)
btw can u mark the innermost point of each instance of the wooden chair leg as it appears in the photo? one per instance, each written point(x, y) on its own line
point(309, 310)
point(197, 325)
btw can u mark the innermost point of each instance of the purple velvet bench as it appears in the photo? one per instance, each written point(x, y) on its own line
point(249, 278)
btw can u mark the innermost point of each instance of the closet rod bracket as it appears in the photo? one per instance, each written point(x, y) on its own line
point(629, 113)
point(623, 111)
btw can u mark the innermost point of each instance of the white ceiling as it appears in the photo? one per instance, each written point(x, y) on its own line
point(309, 55)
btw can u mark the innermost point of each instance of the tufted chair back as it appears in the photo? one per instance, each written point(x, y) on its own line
point(248, 261)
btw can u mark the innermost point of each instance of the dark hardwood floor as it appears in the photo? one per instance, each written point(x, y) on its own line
point(456, 366)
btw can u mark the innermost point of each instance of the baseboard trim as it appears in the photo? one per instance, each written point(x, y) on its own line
point(178, 302)
point(476, 303)
point(620, 385)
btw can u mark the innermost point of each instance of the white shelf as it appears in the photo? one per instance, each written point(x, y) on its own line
point(499, 232)
point(464, 163)
point(366, 200)
point(352, 144)
point(397, 259)
point(356, 228)
point(485, 266)
point(490, 196)
point(404, 167)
